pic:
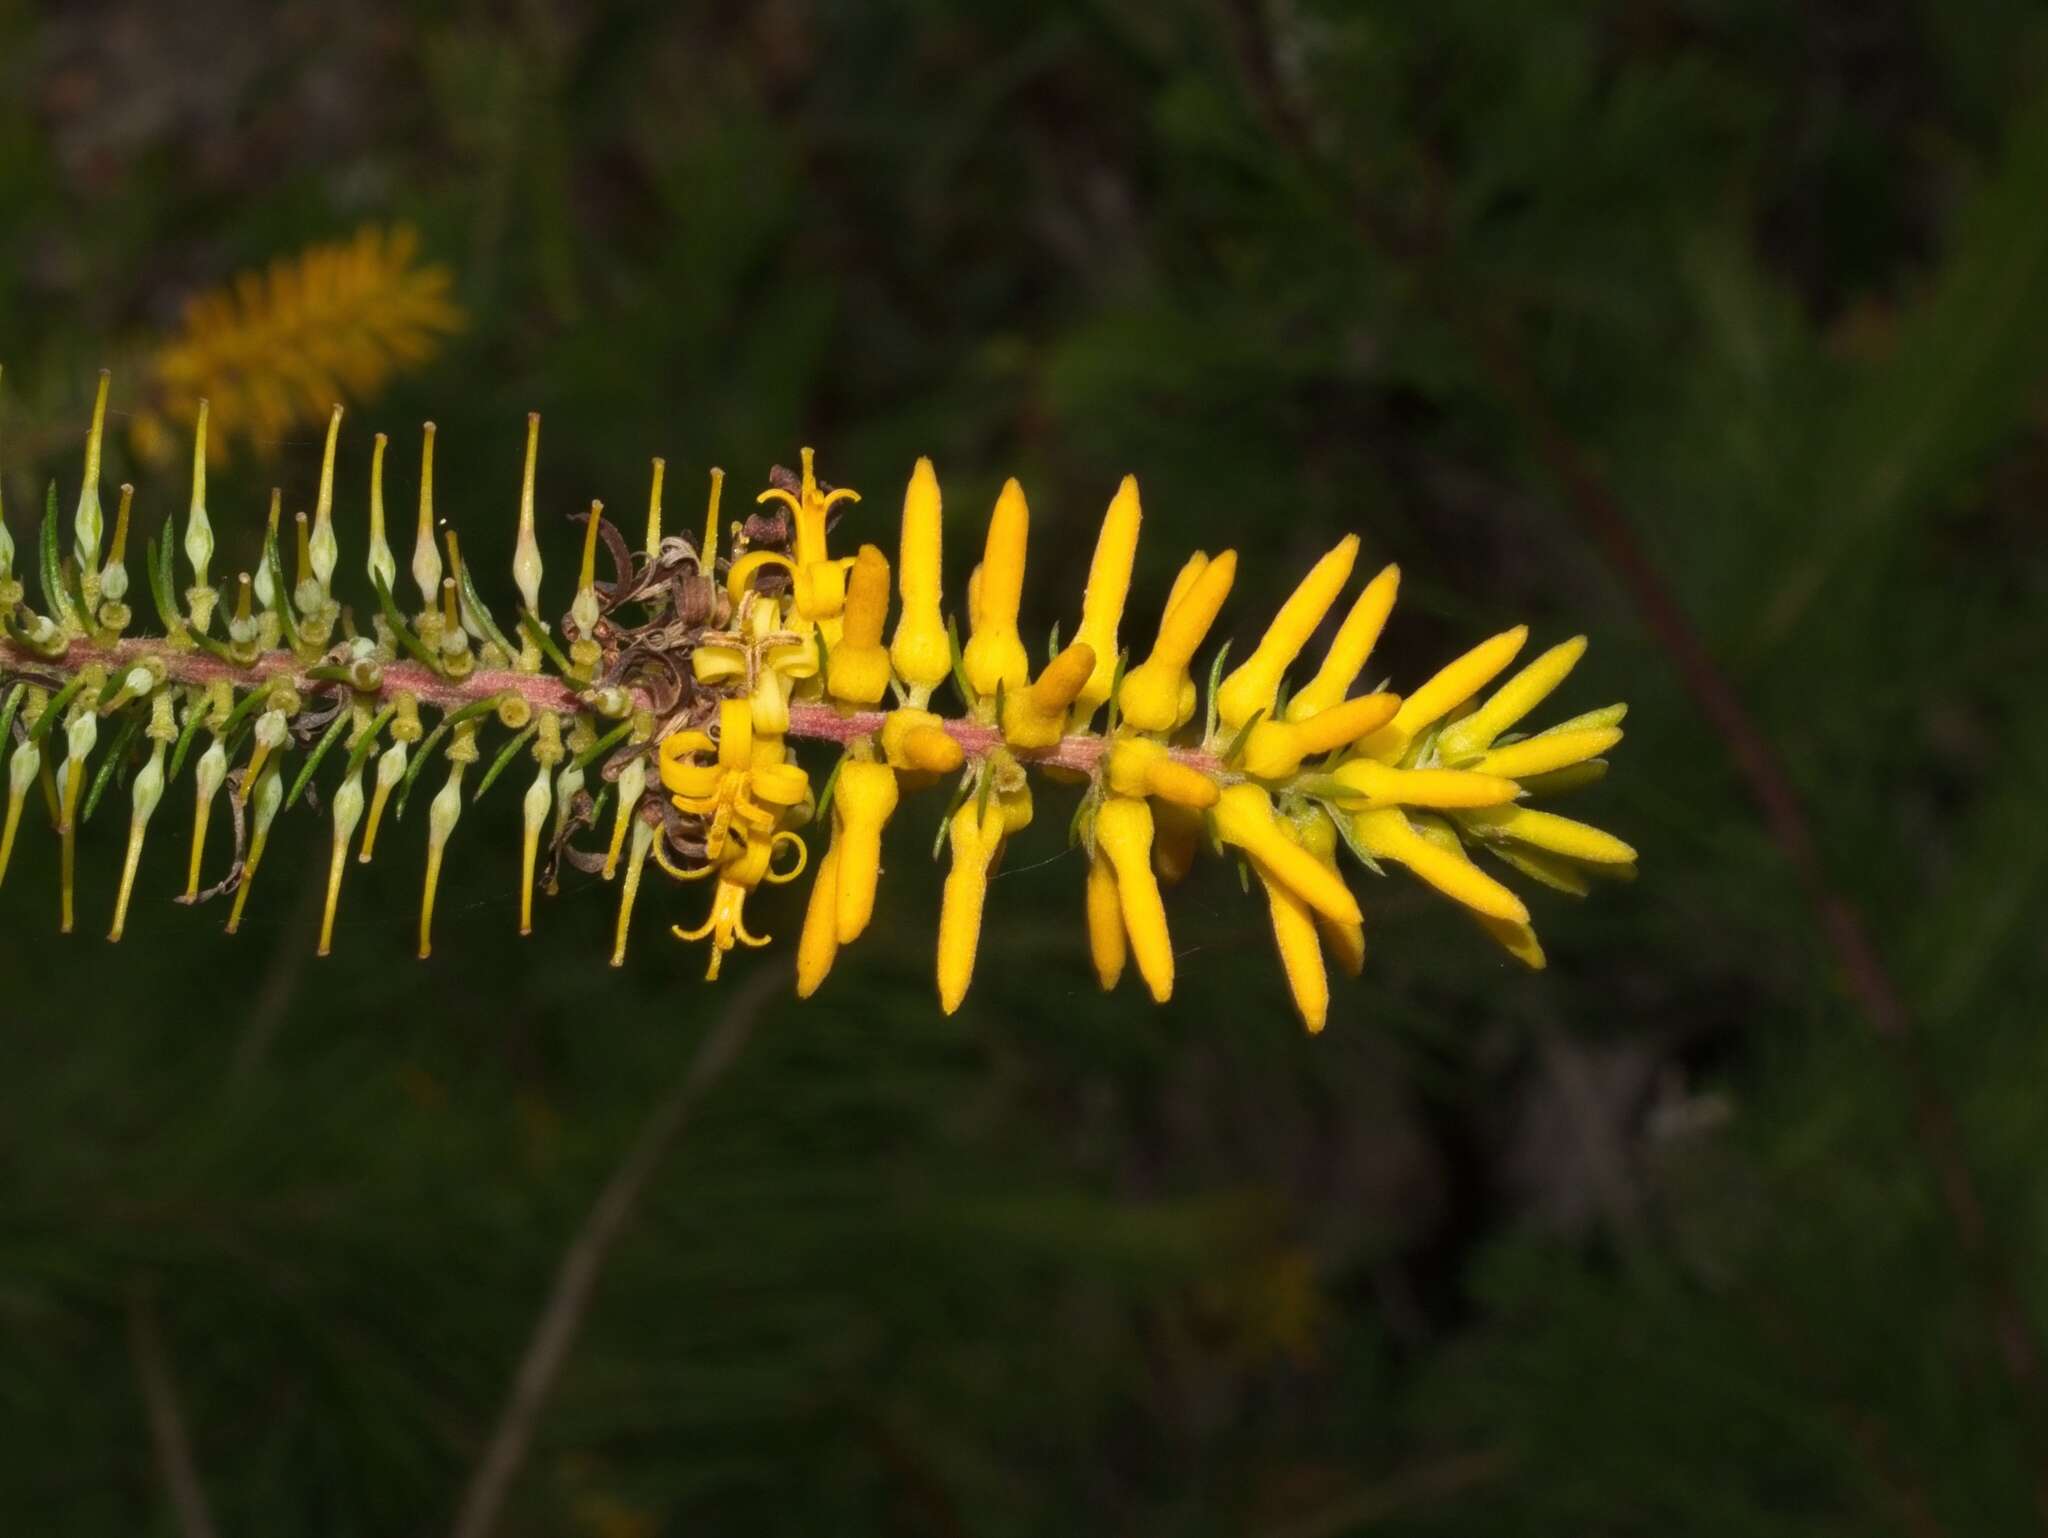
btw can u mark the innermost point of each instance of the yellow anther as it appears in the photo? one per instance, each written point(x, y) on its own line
point(1245, 817)
point(1106, 945)
point(857, 671)
point(862, 804)
point(1388, 834)
point(1123, 831)
point(1350, 648)
point(1036, 716)
point(976, 836)
point(1274, 750)
point(994, 654)
point(920, 650)
point(1109, 584)
point(1510, 702)
point(1157, 695)
point(1376, 785)
point(1255, 682)
point(1547, 753)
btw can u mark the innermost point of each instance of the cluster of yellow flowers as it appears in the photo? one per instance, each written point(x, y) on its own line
point(1282, 777)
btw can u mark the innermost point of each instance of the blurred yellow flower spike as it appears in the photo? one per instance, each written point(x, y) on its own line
point(680, 694)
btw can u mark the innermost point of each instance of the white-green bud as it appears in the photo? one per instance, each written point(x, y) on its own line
point(537, 800)
point(212, 770)
point(81, 734)
point(114, 581)
point(148, 788)
point(348, 808)
point(266, 590)
point(269, 797)
point(391, 765)
point(270, 729)
point(198, 529)
point(23, 767)
point(446, 810)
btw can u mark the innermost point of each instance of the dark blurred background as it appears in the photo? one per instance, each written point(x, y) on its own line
point(1703, 1231)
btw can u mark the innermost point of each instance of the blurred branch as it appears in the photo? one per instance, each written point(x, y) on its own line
point(1427, 256)
point(166, 1420)
point(1368, 1508)
point(561, 1318)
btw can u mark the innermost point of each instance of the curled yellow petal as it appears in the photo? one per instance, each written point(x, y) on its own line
point(1252, 685)
point(1106, 947)
point(994, 654)
point(1123, 831)
point(1245, 817)
point(1109, 584)
point(1350, 648)
point(1156, 695)
point(863, 803)
point(1510, 702)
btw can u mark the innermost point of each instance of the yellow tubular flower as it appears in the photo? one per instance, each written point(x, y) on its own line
point(1255, 682)
point(1138, 766)
point(914, 740)
point(1301, 953)
point(1389, 835)
point(1376, 785)
point(1448, 688)
point(1547, 753)
point(1517, 938)
point(1510, 702)
point(1546, 830)
point(857, 670)
point(1274, 749)
point(994, 654)
point(1109, 584)
point(1123, 831)
point(1245, 817)
point(1106, 946)
point(1318, 835)
point(862, 804)
point(818, 946)
point(1157, 695)
point(1036, 716)
point(921, 652)
point(976, 834)
point(1348, 652)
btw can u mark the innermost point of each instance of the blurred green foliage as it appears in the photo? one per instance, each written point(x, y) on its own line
point(1644, 1244)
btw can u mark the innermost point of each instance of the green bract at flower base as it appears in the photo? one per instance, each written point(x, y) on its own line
point(659, 714)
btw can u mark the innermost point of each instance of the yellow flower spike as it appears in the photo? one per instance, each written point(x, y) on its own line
point(1300, 947)
point(1518, 939)
point(1138, 766)
point(1388, 834)
point(1510, 702)
point(1547, 753)
point(1245, 817)
point(1546, 830)
point(976, 835)
point(1123, 831)
point(914, 740)
point(1036, 716)
point(1350, 648)
point(857, 668)
point(1109, 584)
point(863, 802)
point(1176, 835)
point(920, 650)
point(1274, 750)
point(995, 655)
point(1254, 683)
point(1376, 785)
point(818, 946)
point(1445, 691)
point(1106, 944)
point(1156, 694)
